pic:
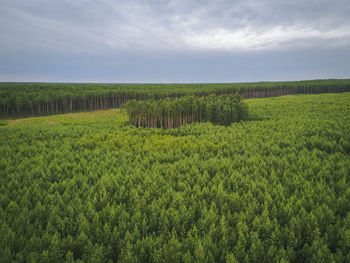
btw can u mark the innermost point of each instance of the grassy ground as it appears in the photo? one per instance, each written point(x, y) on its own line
point(71, 118)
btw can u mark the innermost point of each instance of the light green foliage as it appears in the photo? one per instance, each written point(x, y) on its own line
point(271, 189)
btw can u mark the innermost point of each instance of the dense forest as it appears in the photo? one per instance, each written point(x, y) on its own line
point(168, 113)
point(32, 99)
point(89, 187)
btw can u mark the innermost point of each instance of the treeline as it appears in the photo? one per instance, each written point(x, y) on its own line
point(33, 99)
point(169, 113)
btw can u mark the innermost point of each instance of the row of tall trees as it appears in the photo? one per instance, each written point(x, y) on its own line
point(26, 99)
point(172, 113)
point(64, 106)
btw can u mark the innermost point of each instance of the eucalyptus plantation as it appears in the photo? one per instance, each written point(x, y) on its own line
point(89, 187)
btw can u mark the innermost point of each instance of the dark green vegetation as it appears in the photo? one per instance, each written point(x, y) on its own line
point(26, 99)
point(168, 113)
point(88, 187)
point(3, 122)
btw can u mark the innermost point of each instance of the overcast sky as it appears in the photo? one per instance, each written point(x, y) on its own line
point(174, 41)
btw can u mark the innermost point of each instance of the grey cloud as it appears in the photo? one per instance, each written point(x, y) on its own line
point(138, 33)
point(93, 25)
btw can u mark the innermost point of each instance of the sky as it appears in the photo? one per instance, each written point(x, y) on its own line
point(187, 41)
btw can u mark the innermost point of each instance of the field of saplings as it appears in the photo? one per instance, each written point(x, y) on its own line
point(93, 187)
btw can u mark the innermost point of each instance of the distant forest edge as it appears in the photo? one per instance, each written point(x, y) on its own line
point(35, 99)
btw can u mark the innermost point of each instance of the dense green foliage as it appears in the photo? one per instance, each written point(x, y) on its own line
point(25, 99)
point(272, 189)
point(168, 113)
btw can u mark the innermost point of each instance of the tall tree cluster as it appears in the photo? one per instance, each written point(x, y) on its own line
point(172, 113)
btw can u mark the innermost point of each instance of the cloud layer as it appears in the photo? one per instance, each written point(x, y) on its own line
point(107, 28)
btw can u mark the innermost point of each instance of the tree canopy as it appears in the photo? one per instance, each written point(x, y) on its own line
point(168, 113)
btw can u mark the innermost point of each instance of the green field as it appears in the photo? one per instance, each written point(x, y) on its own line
point(88, 187)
